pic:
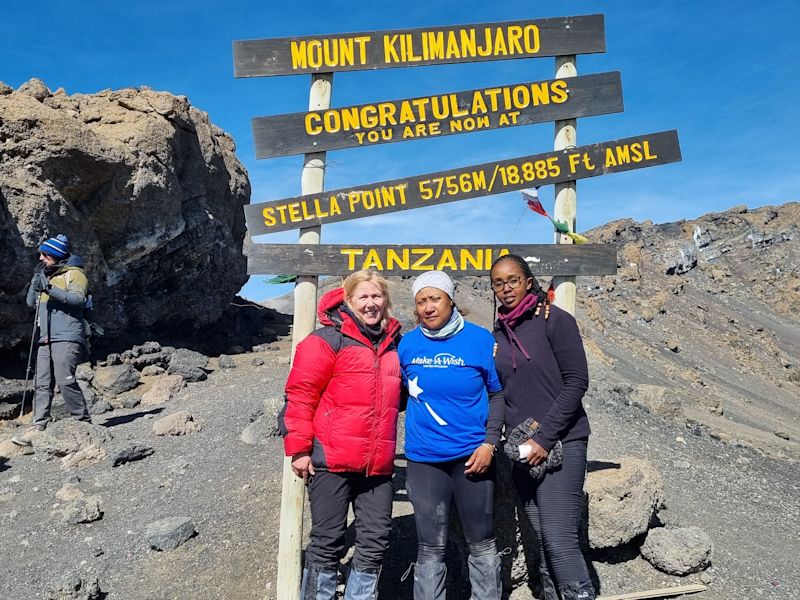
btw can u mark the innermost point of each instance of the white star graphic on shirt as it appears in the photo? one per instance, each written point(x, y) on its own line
point(413, 388)
point(414, 391)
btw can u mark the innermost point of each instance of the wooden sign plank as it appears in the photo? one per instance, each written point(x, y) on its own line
point(466, 182)
point(477, 42)
point(328, 259)
point(438, 115)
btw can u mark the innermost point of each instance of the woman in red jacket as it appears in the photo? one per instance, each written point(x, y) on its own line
point(340, 428)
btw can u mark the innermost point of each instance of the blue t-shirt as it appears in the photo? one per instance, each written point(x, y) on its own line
point(448, 384)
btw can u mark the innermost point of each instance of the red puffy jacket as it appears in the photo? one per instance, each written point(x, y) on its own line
point(343, 395)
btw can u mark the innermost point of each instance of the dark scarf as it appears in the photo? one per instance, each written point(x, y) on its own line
point(511, 318)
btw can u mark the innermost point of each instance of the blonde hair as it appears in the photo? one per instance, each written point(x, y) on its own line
point(352, 281)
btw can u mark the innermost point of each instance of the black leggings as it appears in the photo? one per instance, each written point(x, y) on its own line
point(431, 487)
point(553, 506)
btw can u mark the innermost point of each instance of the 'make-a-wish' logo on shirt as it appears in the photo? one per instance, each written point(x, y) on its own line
point(440, 361)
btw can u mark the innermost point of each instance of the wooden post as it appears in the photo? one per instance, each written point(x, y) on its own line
point(566, 195)
point(305, 316)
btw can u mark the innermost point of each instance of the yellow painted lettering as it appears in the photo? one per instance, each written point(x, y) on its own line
point(314, 53)
point(647, 154)
point(410, 49)
point(478, 103)
point(531, 36)
point(334, 207)
point(362, 48)
point(369, 116)
point(455, 110)
point(623, 154)
point(453, 51)
point(486, 50)
point(424, 254)
point(610, 160)
point(407, 114)
point(500, 48)
point(294, 212)
point(312, 124)
point(351, 254)
point(447, 261)
point(521, 96)
point(332, 121)
point(269, 216)
point(386, 114)
point(468, 43)
point(421, 104)
point(330, 53)
point(373, 260)
point(559, 92)
point(299, 56)
point(350, 119)
point(514, 37)
point(435, 45)
point(389, 51)
point(346, 52)
point(540, 94)
point(354, 198)
point(467, 259)
point(400, 261)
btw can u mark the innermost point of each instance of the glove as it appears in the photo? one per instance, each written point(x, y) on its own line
point(521, 434)
point(39, 282)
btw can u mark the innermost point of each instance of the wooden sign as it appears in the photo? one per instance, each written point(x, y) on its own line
point(464, 183)
point(528, 38)
point(327, 259)
point(438, 115)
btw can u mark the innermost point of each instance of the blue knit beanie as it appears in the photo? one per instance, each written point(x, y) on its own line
point(57, 247)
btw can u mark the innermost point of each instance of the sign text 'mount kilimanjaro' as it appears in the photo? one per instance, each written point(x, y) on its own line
point(463, 183)
point(424, 46)
point(327, 259)
point(437, 115)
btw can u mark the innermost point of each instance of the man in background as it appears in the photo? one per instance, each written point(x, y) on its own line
point(60, 288)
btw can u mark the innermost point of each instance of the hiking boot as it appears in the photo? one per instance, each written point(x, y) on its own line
point(26, 437)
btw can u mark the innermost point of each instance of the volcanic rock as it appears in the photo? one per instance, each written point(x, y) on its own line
point(149, 191)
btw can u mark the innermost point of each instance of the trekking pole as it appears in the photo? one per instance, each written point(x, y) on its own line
point(30, 354)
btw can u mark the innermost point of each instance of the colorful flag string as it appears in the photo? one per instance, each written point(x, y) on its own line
point(531, 195)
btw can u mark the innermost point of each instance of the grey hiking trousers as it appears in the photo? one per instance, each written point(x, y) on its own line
point(56, 363)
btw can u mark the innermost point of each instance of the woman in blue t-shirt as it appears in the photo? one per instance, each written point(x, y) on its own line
point(453, 422)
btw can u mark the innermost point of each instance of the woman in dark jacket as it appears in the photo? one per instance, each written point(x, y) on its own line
point(542, 366)
point(340, 428)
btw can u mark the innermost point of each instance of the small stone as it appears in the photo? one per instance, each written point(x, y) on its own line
point(179, 423)
point(706, 577)
point(113, 359)
point(83, 509)
point(672, 345)
point(97, 552)
point(257, 361)
point(129, 454)
point(163, 390)
point(226, 362)
point(115, 379)
point(75, 587)
point(678, 551)
point(682, 464)
point(100, 407)
point(170, 533)
point(152, 371)
point(131, 401)
point(781, 434)
point(680, 439)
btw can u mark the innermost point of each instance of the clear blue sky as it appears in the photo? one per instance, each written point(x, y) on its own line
point(725, 75)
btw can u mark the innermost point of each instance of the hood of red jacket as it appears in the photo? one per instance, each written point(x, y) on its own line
point(330, 300)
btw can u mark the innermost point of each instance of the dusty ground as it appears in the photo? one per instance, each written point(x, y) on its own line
point(748, 503)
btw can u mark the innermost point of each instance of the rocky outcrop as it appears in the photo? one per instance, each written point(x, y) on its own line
point(149, 191)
